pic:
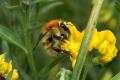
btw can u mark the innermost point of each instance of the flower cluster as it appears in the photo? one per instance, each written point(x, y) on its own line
point(104, 41)
point(6, 69)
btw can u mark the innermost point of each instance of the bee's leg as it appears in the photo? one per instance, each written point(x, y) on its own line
point(64, 36)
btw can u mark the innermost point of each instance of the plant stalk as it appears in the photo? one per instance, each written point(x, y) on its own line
point(86, 40)
point(27, 39)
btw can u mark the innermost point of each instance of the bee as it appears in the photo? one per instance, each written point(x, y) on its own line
point(54, 32)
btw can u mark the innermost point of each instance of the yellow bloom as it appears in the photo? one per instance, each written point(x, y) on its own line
point(2, 58)
point(6, 68)
point(73, 43)
point(103, 47)
point(95, 40)
point(15, 74)
point(111, 53)
point(104, 41)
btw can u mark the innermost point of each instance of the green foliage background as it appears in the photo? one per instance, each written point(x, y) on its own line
point(16, 14)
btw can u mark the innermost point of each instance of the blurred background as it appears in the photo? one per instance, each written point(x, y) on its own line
point(12, 13)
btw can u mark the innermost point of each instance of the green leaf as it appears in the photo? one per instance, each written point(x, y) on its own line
point(8, 35)
point(39, 1)
point(12, 7)
point(116, 77)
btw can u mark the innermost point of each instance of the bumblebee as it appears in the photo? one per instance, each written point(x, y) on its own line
point(54, 32)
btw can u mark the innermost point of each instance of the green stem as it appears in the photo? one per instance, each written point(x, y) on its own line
point(86, 39)
point(27, 39)
point(85, 73)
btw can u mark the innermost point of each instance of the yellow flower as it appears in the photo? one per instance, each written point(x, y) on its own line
point(104, 41)
point(95, 40)
point(6, 68)
point(2, 58)
point(103, 47)
point(73, 61)
point(73, 43)
point(111, 53)
point(15, 74)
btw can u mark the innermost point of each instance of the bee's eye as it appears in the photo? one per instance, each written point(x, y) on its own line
point(62, 24)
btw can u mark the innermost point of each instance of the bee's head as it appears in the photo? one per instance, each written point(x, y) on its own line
point(55, 23)
point(55, 32)
point(50, 25)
